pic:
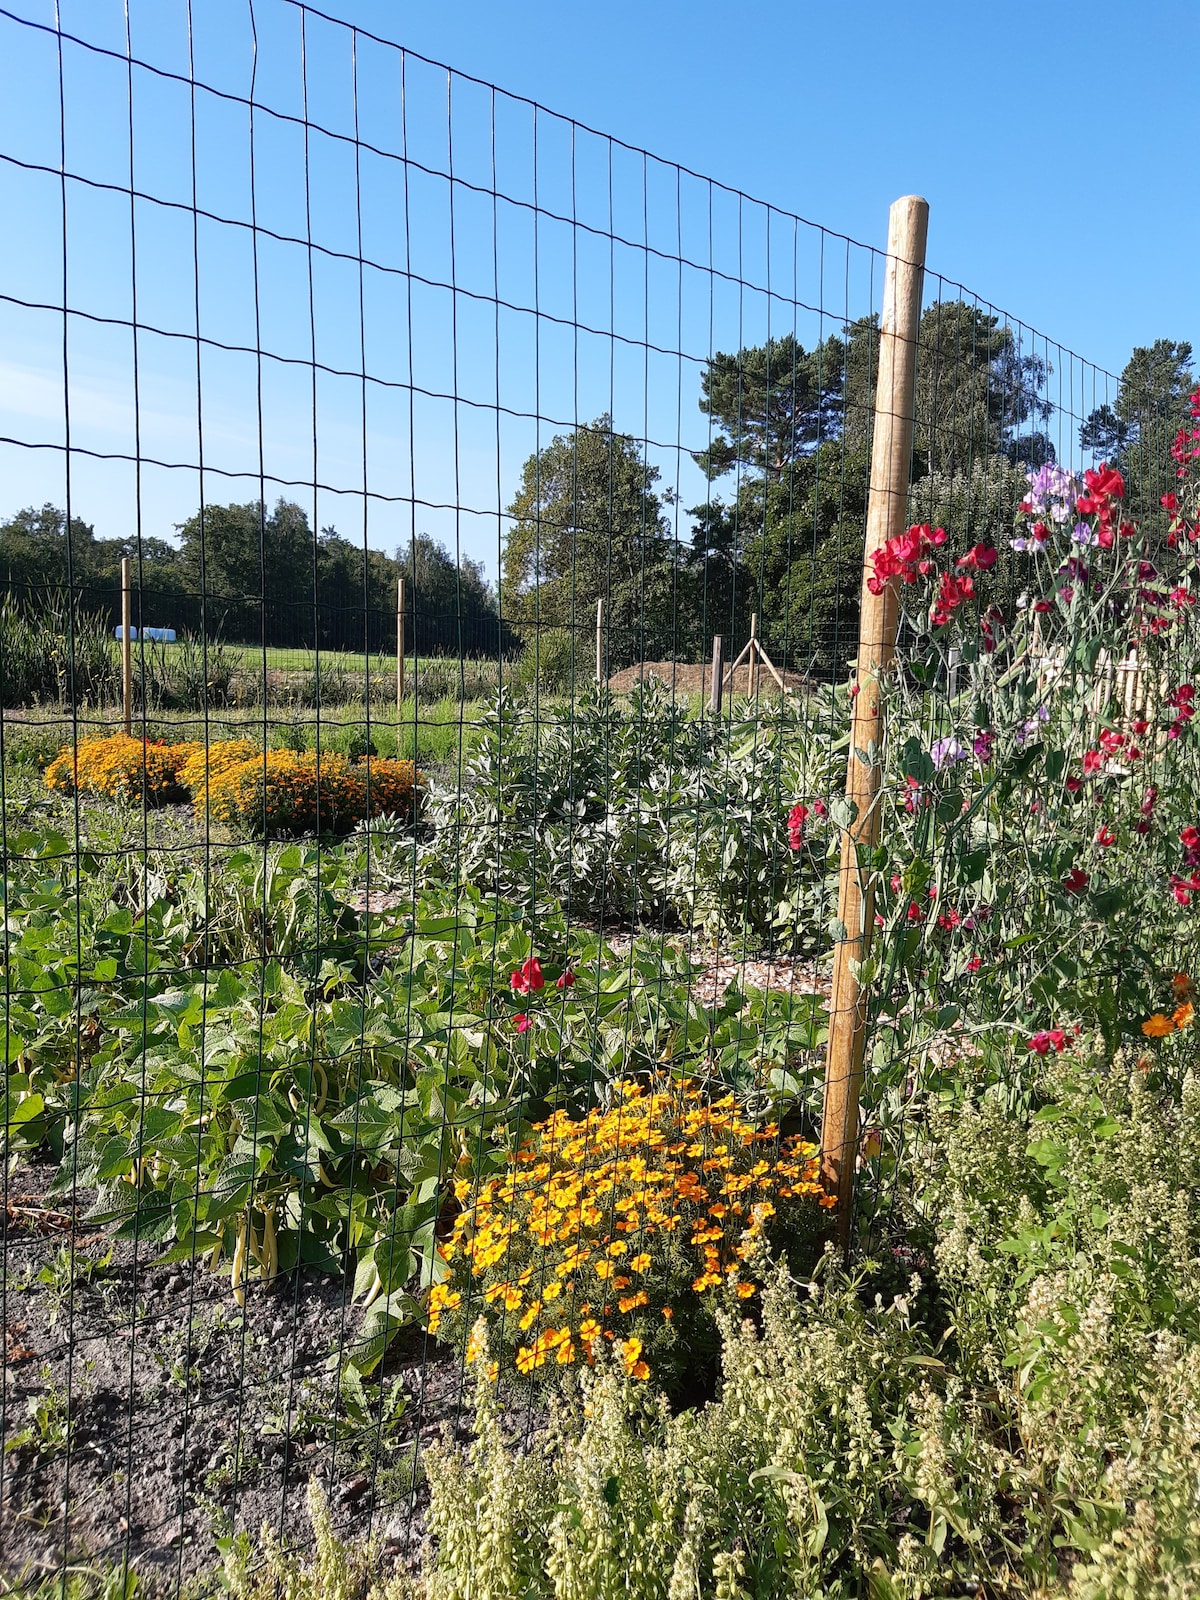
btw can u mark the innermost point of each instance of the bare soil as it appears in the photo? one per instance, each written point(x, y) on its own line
point(142, 1412)
point(685, 678)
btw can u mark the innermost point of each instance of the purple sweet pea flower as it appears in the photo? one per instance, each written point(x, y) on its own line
point(945, 751)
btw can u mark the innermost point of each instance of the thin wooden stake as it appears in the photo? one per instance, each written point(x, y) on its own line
point(718, 676)
point(752, 663)
point(886, 512)
point(399, 649)
point(600, 640)
point(127, 642)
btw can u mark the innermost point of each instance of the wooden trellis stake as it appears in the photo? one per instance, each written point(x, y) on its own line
point(127, 642)
point(600, 640)
point(753, 655)
point(887, 507)
point(399, 650)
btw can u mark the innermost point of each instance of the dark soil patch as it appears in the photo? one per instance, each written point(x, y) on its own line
point(145, 1415)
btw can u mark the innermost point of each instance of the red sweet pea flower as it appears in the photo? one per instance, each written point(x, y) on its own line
point(1105, 837)
point(1184, 888)
point(974, 964)
point(1170, 502)
point(795, 825)
point(1076, 881)
point(1093, 761)
point(1074, 785)
point(521, 1022)
point(566, 980)
point(528, 977)
point(1148, 799)
point(980, 557)
point(1047, 1041)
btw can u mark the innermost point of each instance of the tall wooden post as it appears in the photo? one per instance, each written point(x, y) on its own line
point(127, 643)
point(399, 652)
point(600, 640)
point(718, 675)
point(886, 514)
point(752, 659)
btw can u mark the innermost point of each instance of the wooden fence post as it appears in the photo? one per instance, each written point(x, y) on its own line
point(887, 509)
point(399, 651)
point(600, 641)
point(127, 643)
point(718, 675)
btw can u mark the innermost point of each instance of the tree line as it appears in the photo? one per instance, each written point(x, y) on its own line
point(779, 531)
point(255, 575)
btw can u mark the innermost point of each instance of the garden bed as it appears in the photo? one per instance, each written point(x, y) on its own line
point(189, 1415)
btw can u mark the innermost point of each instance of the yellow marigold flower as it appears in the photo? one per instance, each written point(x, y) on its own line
point(513, 1298)
point(603, 1269)
point(1158, 1026)
point(668, 1312)
point(639, 1370)
point(493, 1371)
point(589, 1330)
point(640, 1263)
point(743, 1290)
point(618, 1248)
point(631, 1302)
point(527, 1359)
point(566, 1353)
point(551, 1291)
point(530, 1315)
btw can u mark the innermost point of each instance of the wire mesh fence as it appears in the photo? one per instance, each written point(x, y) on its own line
point(425, 858)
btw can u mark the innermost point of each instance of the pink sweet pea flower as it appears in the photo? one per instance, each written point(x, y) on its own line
point(521, 1022)
point(566, 980)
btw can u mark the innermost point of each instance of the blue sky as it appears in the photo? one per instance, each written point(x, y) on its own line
point(1048, 152)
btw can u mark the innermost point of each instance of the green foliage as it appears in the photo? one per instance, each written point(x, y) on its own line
point(335, 1570)
point(1020, 1418)
point(588, 523)
point(636, 811)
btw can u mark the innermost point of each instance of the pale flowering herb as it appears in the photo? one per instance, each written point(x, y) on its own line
point(944, 752)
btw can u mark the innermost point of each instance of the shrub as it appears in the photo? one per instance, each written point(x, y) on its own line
point(616, 1226)
point(207, 762)
point(1021, 1419)
point(122, 768)
point(288, 791)
point(628, 809)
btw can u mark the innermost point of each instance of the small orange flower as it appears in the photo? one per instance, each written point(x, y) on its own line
point(1182, 1015)
point(1157, 1026)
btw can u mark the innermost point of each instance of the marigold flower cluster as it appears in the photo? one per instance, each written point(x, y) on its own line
point(609, 1226)
point(119, 767)
point(288, 791)
point(236, 783)
point(1161, 1024)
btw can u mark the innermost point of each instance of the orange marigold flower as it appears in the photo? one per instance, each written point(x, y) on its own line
point(1182, 1015)
point(1157, 1026)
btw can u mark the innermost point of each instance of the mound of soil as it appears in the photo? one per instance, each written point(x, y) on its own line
point(682, 677)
